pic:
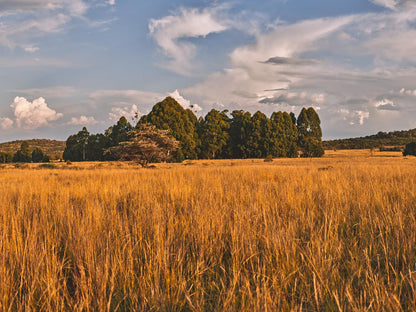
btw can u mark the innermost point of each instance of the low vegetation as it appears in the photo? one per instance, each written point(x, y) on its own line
point(52, 148)
point(24, 155)
point(329, 234)
point(394, 141)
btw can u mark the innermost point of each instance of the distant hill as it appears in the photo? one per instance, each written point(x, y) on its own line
point(52, 148)
point(395, 140)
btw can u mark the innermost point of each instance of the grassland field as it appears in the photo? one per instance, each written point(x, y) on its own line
point(336, 233)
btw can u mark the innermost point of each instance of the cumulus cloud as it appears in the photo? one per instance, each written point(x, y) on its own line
point(186, 104)
point(170, 34)
point(32, 115)
point(354, 117)
point(6, 123)
point(386, 104)
point(408, 92)
point(131, 113)
point(83, 121)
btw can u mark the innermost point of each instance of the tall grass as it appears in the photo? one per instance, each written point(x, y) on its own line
point(247, 237)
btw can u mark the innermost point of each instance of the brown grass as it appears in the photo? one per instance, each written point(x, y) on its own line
point(337, 233)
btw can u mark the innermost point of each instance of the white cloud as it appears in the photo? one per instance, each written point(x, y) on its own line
point(171, 31)
point(26, 20)
point(31, 49)
point(395, 4)
point(391, 4)
point(131, 113)
point(387, 105)
point(354, 117)
point(6, 123)
point(186, 104)
point(408, 92)
point(250, 73)
point(83, 121)
point(32, 115)
point(339, 60)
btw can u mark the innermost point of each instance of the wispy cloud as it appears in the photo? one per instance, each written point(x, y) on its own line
point(26, 20)
point(170, 34)
point(326, 62)
point(49, 93)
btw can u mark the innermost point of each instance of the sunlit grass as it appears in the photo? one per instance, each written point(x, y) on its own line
point(337, 233)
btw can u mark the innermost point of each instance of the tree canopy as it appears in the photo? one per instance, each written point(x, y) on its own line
point(170, 115)
point(310, 133)
point(217, 135)
point(146, 144)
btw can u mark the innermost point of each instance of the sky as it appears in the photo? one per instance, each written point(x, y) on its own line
point(65, 64)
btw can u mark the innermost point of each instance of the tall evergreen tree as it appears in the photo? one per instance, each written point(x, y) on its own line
point(118, 132)
point(240, 128)
point(310, 133)
point(24, 154)
point(213, 134)
point(258, 142)
point(76, 146)
point(170, 115)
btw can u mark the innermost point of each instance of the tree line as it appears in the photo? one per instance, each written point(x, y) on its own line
point(25, 155)
point(394, 140)
point(218, 135)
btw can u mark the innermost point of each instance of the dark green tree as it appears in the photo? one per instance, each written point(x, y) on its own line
point(213, 134)
point(170, 115)
point(410, 149)
point(118, 132)
point(76, 146)
point(6, 157)
point(277, 139)
point(258, 143)
point(310, 133)
point(23, 155)
point(291, 135)
point(240, 129)
point(38, 156)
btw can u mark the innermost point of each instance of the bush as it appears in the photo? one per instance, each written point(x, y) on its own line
point(410, 149)
point(47, 166)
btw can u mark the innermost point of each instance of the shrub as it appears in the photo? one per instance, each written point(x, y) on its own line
point(47, 166)
point(410, 149)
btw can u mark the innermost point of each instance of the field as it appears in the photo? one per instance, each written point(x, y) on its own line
point(330, 234)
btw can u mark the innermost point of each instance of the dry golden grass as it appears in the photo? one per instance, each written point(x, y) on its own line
point(337, 233)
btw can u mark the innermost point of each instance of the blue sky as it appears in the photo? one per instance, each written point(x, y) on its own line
point(66, 64)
